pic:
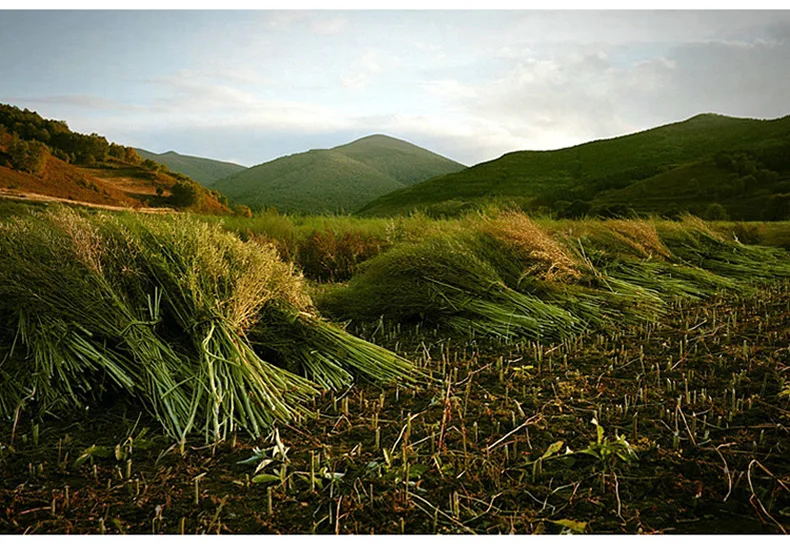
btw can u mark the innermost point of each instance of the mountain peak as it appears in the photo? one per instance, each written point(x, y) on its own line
point(339, 179)
point(377, 137)
point(378, 140)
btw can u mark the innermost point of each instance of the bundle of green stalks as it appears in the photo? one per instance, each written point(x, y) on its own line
point(164, 309)
point(509, 276)
point(695, 243)
point(444, 280)
point(324, 352)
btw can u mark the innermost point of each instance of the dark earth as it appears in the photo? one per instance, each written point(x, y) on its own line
point(701, 399)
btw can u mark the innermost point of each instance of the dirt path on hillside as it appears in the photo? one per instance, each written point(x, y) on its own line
point(35, 197)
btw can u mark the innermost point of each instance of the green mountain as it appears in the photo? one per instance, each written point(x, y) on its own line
point(398, 159)
point(203, 170)
point(341, 179)
point(715, 158)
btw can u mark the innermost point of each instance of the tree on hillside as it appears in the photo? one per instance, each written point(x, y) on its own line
point(131, 156)
point(185, 194)
point(85, 148)
point(750, 183)
point(117, 151)
point(778, 207)
point(150, 165)
point(575, 210)
point(28, 156)
point(221, 198)
point(5, 137)
point(767, 177)
point(715, 212)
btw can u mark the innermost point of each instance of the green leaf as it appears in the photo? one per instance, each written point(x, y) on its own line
point(575, 526)
point(90, 453)
point(257, 455)
point(265, 478)
point(598, 430)
point(553, 449)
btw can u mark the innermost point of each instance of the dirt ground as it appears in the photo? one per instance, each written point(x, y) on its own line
point(692, 437)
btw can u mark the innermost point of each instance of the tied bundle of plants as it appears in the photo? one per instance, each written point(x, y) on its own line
point(633, 271)
point(507, 275)
point(697, 244)
point(162, 309)
point(443, 280)
point(324, 352)
point(68, 335)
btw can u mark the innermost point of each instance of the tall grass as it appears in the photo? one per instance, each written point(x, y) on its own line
point(329, 249)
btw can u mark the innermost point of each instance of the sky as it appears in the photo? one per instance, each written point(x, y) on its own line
point(250, 86)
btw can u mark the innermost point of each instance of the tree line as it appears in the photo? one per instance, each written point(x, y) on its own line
point(30, 139)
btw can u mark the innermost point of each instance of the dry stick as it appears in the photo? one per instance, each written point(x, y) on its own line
point(219, 510)
point(488, 510)
point(197, 487)
point(437, 510)
point(447, 411)
point(726, 468)
point(617, 495)
point(471, 374)
point(754, 497)
point(529, 421)
point(337, 516)
point(557, 489)
point(463, 433)
point(402, 431)
point(18, 413)
point(691, 435)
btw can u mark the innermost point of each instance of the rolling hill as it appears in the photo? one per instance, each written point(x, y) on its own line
point(598, 174)
point(42, 160)
point(335, 180)
point(203, 170)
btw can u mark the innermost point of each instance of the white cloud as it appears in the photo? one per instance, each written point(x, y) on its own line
point(450, 90)
point(473, 85)
point(367, 67)
point(81, 101)
point(329, 26)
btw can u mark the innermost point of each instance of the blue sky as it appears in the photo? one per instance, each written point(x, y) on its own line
point(248, 86)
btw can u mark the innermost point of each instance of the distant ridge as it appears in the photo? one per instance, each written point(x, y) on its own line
point(740, 164)
point(203, 170)
point(341, 179)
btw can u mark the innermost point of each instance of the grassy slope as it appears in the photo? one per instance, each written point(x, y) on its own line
point(399, 159)
point(203, 170)
point(340, 179)
point(582, 170)
point(693, 186)
point(62, 180)
point(113, 183)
